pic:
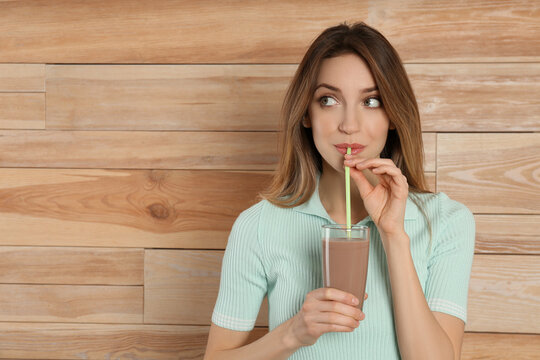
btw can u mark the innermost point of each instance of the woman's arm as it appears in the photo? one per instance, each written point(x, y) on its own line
point(421, 333)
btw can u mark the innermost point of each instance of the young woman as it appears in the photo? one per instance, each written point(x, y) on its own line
point(350, 90)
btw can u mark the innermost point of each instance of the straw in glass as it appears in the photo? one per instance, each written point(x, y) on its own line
point(348, 195)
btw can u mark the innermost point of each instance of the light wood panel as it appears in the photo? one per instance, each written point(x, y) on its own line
point(167, 31)
point(166, 97)
point(164, 342)
point(22, 111)
point(477, 97)
point(491, 173)
point(430, 143)
point(460, 31)
point(190, 278)
point(503, 291)
point(503, 294)
point(71, 303)
point(451, 97)
point(478, 346)
point(279, 32)
point(124, 208)
point(22, 77)
point(66, 265)
point(508, 234)
point(97, 341)
point(138, 150)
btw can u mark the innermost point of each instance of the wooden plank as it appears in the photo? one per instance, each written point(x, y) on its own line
point(22, 111)
point(163, 342)
point(430, 143)
point(97, 341)
point(507, 234)
point(22, 77)
point(460, 31)
point(71, 303)
point(138, 150)
point(477, 346)
point(490, 173)
point(186, 277)
point(477, 97)
point(189, 97)
point(168, 31)
point(278, 32)
point(124, 208)
point(192, 279)
point(503, 294)
point(66, 265)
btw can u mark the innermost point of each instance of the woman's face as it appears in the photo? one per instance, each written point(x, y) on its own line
point(346, 110)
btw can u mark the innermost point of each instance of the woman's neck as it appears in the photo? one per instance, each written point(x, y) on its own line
point(332, 195)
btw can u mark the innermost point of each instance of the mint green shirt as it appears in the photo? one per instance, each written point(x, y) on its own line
point(276, 252)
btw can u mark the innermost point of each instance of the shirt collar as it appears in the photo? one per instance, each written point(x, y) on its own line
point(314, 207)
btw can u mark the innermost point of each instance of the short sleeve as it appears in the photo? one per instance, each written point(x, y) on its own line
point(450, 263)
point(243, 282)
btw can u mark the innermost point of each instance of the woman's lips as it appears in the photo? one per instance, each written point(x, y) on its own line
point(355, 148)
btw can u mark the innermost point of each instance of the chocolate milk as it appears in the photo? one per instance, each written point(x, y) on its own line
point(347, 266)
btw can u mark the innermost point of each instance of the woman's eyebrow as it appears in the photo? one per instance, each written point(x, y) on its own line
point(366, 90)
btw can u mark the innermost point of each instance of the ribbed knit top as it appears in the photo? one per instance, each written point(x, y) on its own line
point(276, 252)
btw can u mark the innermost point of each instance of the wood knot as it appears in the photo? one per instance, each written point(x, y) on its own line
point(158, 211)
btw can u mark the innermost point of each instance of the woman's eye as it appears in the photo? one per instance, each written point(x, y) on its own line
point(327, 101)
point(373, 102)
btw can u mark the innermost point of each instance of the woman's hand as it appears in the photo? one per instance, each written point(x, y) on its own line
point(325, 310)
point(386, 201)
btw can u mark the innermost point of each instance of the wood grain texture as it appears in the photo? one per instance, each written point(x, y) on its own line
point(138, 150)
point(166, 97)
point(22, 111)
point(279, 32)
point(168, 31)
point(491, 173)
point(460, 31)
point(186, 277)
point(503, 294)
point(507, 234)
point(477, 346)
point(430, 143)
point(192, 278)
point(22, 77)
point(71, 303)
point(67, 265)
point(164, 342)
point(100, 341)
point(477, 97)
point(124, 208)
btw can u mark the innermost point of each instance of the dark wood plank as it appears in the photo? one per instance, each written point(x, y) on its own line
point(71, 303)
point(68, 265)
point(124, 208)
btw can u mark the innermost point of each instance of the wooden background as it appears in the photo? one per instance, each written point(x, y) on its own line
point(132, 134)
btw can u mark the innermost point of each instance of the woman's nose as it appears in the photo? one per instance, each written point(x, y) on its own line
point(350, 123)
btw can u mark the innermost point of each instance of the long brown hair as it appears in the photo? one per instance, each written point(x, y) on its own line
point(295, 178)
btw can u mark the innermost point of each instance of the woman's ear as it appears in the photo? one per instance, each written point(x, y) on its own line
point(306, 122)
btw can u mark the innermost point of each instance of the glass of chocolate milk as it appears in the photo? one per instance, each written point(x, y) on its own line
point(345, 258)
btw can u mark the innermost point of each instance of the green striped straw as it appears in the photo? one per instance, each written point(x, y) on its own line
point(348, 195)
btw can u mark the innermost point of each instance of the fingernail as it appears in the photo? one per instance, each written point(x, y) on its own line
point(355, 301)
